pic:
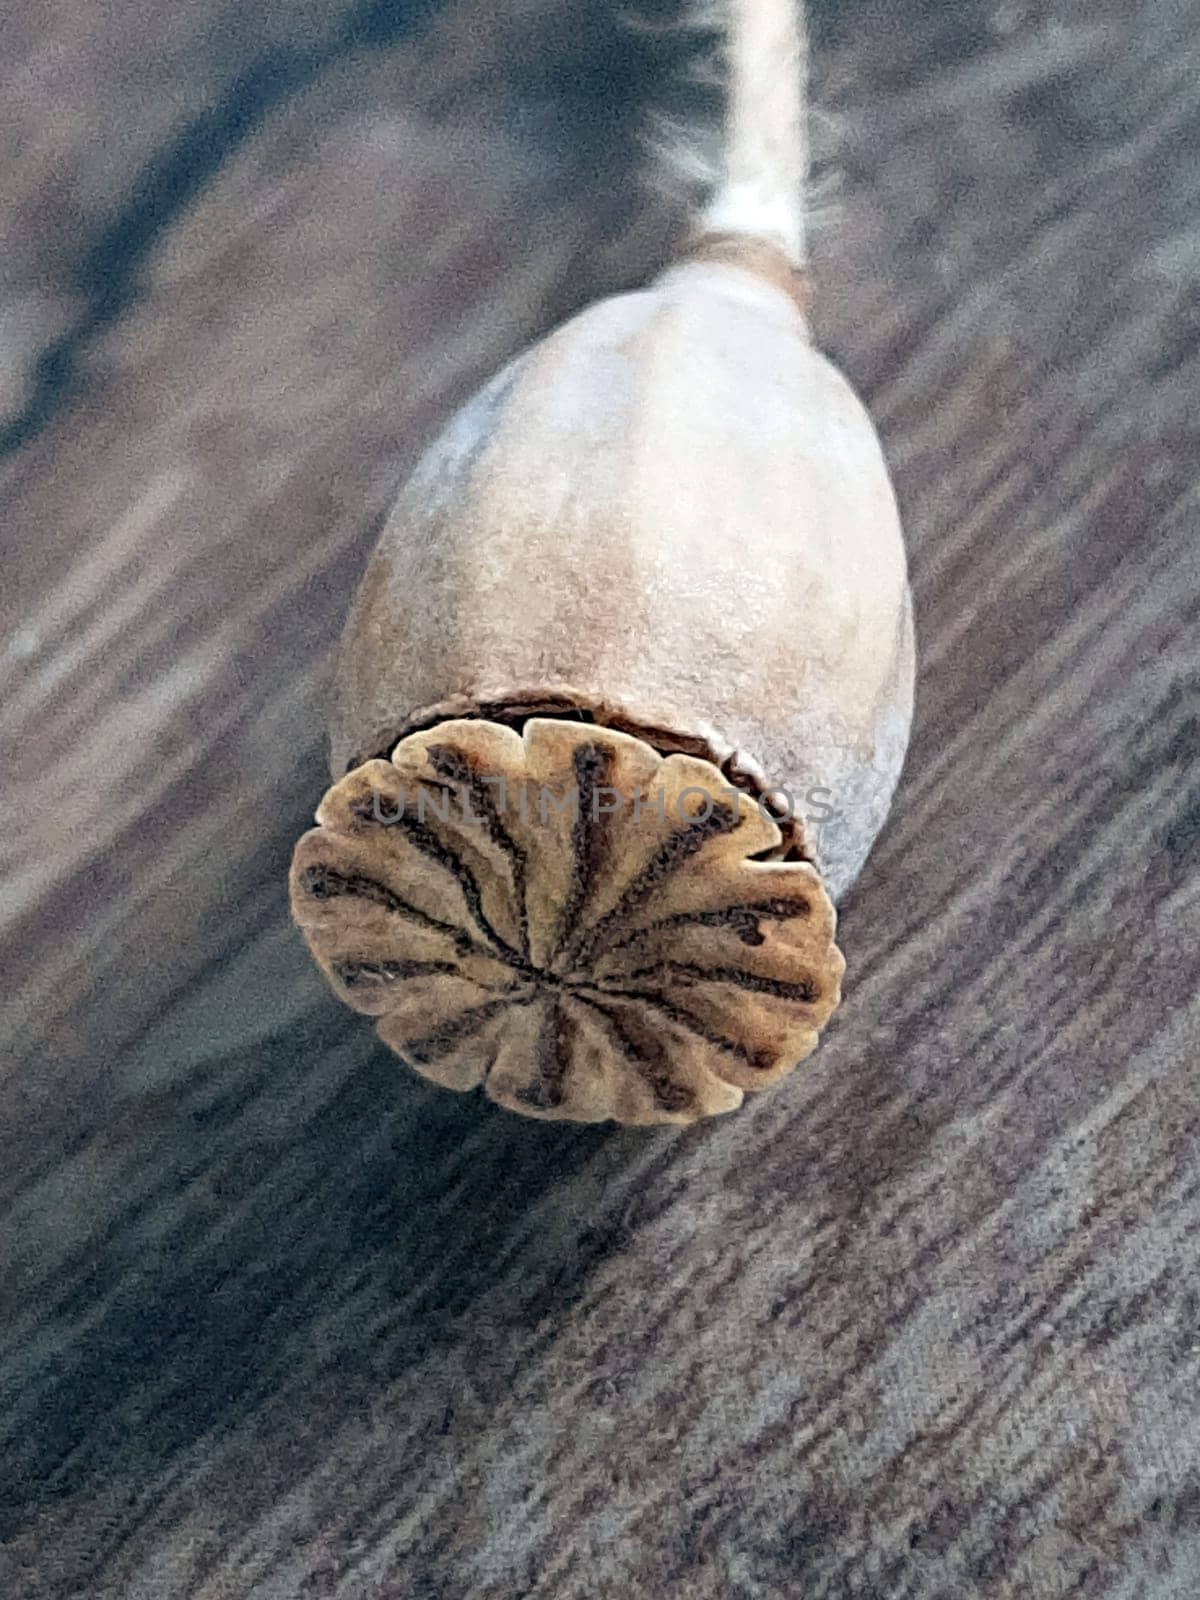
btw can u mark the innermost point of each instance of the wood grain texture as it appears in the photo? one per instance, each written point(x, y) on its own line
point(281, 1323)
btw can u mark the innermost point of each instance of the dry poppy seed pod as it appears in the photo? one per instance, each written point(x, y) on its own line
point(639, 620)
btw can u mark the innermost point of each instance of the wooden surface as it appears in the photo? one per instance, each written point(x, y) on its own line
point(282, 1323)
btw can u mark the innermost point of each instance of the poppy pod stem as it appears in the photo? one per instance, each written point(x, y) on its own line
point(627, 684)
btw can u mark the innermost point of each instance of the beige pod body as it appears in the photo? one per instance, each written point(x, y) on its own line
point(621, 705)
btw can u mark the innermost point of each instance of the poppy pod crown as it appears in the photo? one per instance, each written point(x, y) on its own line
point(626, 688)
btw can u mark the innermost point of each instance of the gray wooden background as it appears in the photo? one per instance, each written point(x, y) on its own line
point(924, 1324)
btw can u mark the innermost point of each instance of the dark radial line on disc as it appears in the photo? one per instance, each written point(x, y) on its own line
point(452, 764)
point(354, 972)
point(591, 764)
point(668, 858)
point(427, 842)
point(646, 1055)
point(684, 1019)
point(742, 920)
point(326, 883)
point(556, 1043)
point(457, 1031)
point(803, 990)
